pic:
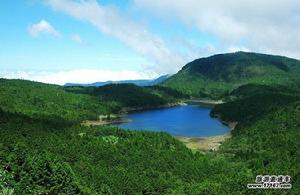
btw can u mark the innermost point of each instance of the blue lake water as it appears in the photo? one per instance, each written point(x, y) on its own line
point(190, 121)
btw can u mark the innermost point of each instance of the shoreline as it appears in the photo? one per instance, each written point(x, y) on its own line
point(204, 144)
point(117, 118)
point(209, 143)
point(204, 101)
point(126, 110)
point(105, 120)
point(230, 124)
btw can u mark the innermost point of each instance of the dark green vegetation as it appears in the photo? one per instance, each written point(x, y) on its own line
point(252, 107)
point(267, 136)
point(141, 83)
point(42, 157)
point(216, 76)
point(45, 150)
point(129, 95)
point(47, 102)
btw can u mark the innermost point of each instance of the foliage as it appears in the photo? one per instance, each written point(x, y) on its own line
point(47, 101)
point(44, 149)
point(44, 158)
point(216, 76)
point(130, 95)
point(250, 108)
point(31, 171)
point(39, 156)
point(269, 144)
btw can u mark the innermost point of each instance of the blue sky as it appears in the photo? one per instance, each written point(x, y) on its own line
point(58, 41)
point(20, 51)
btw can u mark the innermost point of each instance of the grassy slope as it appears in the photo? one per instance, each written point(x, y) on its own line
point(218, 75)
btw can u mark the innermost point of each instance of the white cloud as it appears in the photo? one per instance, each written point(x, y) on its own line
point(110, 21)
point(76, 76)
point(262, 25)
point(76, 38)
point(42, 27)
point(238, 48)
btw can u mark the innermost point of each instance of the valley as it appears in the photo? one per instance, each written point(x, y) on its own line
point(45, 148)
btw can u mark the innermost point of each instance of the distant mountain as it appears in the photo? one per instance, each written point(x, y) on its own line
point(136, 82)
point(216, 76)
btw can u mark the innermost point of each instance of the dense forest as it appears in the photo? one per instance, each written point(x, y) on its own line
point(266, 138)
point(38, 157)
point(44, 149)
point(79, 103)
point(130, 95)
point(216, 76)
point(39, 100)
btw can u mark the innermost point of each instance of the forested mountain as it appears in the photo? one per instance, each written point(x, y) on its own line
point(44, 149)
point(216, 76)
point(130, 95)
point(266, 138)
point(78, 103)
point(54, 156)
point(48, 101)
point(141, 83)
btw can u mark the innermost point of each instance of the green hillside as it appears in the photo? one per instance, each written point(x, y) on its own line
point(252, 107)
point(45, 150)
point(38, 156)
point(266, 138)
point(74, 104)
point(216, 76)
point(46, 101)
point(130, 95)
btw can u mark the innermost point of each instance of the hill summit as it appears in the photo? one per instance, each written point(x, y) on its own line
point(218, 75)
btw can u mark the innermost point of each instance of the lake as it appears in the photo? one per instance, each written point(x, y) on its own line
point(189, 121)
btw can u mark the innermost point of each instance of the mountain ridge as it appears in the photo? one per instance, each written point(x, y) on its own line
point(217, 75)
point(141, 82)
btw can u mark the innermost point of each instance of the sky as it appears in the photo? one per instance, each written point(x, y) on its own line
point(85, 41)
